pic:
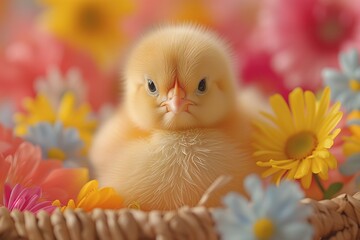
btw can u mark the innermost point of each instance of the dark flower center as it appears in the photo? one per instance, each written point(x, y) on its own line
point(90, 19)
point(333, 24)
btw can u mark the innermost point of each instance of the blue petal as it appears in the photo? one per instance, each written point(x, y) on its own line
point(334, 78)
point(353, 122)
point(7, 110)
point(253, 186)
point(348, 100)
point(226, 225)
point(48, 135)
point(351, 166)
point(349, 62)
point(239, 206)
point(296, 231)
point(357, 74)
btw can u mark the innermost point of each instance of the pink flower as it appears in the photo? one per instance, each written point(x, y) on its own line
point(256, 70)
point(307, 35)
point(26, 199)
point(236, 20)
point(8, 142)
point(19, 71)
point(21, 163)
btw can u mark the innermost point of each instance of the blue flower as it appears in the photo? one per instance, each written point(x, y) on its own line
point(272, 213)
point(352, 150)
point(345, 85)
point(7, 110)
point(57, 142)
point(351, 166)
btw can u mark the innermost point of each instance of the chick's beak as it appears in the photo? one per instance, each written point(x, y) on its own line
point(176, 101)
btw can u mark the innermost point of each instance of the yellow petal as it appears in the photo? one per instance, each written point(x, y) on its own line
point(278, 176)
point(90, 202)
point(297, 105)
point(310, 102)
point(322, 153)
point(331, 161)
point(306, 180)
point(266, 130)
point(290, 165)
point(110, 199)
point(71, 204)
point(316, 166)
point(280, 162)
point(291, 173)
point(269, 172)
point(273, 154)
point(324, 175)
point(262, 142)
point(263, 164)
point(322, 107)
point(351, 146)
point(303, 168)
point(329, 124)
point(87, 188)
point(282, 112)
point(66, 106)
point(56, 203)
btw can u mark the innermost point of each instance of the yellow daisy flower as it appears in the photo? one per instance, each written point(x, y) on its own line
point(40, 110)
point(295, 142)
point(90, 25)
point(91, 197)
point(352, 144)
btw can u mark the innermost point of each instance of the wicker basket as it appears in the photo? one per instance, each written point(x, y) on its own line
point(338, 218)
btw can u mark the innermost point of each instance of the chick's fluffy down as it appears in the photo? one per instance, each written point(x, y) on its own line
point(179, 126)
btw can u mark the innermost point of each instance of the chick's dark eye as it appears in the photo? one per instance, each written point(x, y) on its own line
point(151, 86)
point(202, 86)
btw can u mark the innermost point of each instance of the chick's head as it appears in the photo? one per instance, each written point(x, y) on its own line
point(179, 77)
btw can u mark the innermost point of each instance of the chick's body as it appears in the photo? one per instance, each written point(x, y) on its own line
point(180, 125)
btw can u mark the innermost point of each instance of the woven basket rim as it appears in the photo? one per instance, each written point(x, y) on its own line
point(338, 218)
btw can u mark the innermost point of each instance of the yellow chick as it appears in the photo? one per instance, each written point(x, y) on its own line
point(180, 125)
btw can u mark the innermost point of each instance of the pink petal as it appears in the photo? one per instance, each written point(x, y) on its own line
point(68, 187)
point(31, 201)
point(44, 169)
point(48, 209)
point(14, 194)
point(7, 194)
point(23, 164)
point(46, 205)
point(8, 142)
point(18, 204)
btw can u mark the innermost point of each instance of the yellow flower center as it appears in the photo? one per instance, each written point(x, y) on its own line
point(354, 85)
point(263, 229)
point(56, 153)
point(300, 145)
point(90, 19)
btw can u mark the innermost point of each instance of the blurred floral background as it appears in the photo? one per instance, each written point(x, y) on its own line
point(51, 47)
point(277, 44)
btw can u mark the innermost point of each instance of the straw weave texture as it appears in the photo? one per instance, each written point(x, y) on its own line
point(336, 219)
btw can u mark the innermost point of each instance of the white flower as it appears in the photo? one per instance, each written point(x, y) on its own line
point(273, 213)
point(54, 85)
point(345, 85)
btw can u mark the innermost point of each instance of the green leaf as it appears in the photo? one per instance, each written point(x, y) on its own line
point(332, 190)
